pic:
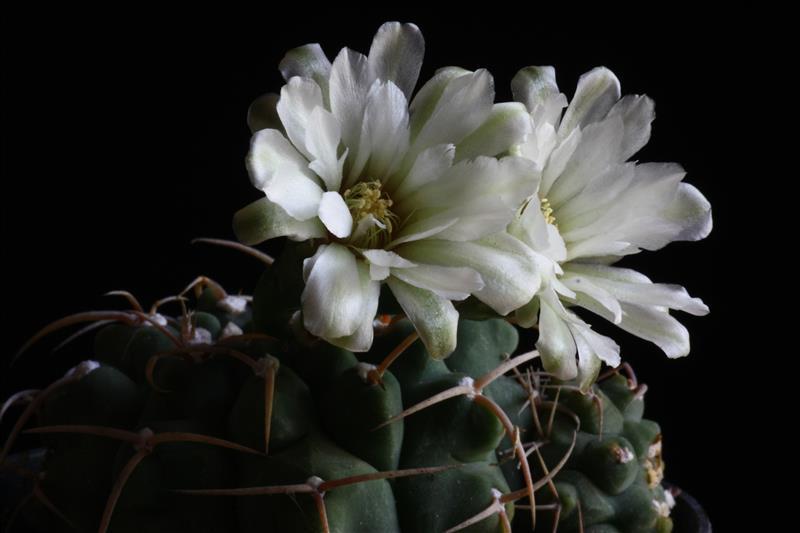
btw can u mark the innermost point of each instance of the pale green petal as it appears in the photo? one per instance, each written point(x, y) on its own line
point(434, 317)
point(429, 166)
point(453, 283)
point(533, 85)
point(263, 220)
point(510, 180)
point(263, 114)
point(598, 90)
point(637, 113)
point(396, 55)
point(630, 286)
point(556, 344)
point(536, 88)
point(307, 61)
point(382, 261)
point(510, 271)
point(598, 152)
point(593, 349)
point(658, 327)
point(427, 98)
point(384, 134)
point(464, 104)
point(691, 212)
point(507, 125)
point(528, 315)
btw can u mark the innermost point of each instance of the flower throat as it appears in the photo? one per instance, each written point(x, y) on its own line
point(365, 200)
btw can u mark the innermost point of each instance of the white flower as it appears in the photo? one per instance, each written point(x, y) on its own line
point(414, 196)
point(593, 207)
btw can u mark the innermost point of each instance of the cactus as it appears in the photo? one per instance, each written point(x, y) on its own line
point(229, 417)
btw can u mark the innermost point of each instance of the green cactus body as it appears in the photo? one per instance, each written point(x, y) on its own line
point(203, 426)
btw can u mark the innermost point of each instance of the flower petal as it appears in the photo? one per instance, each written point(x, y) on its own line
point(453, 283)
point(269, 150)
point(307, 61)
point(334, 297)
point(593, 349)
point(691, 212)
point(361, 339)
point(637, 113)
point(263, 114)
point(322, 141)
point(510, 271)
point(422, 229)
point(528, 315)
point(536, 88)
point(333, 212)
point(646, 321)
point(598, 151)
point(299, 98)
point(384, 135)
point(396, 55)
point(434, 317)
point(653, 209)
point(598, 90)
point(510, 180)
point(601, 346)
point(263, 220)
point(556, 344)
point(467, 222)
point(454, 112)
point(385, 258)
point(658, 327)
point(584, 284)
point(381, 262)
point(507, 125)
point(295, 192)
point(629, 286)
point(429, 166)
point(349, 83)
point(558, 159)
point(532, 228)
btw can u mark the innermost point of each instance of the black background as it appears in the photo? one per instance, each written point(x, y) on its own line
point(124, 136)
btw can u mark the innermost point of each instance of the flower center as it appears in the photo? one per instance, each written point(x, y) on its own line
point(368, 202)
point(547, 211)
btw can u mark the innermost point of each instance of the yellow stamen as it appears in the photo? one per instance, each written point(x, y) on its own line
point(367, 198)
point(547, 211)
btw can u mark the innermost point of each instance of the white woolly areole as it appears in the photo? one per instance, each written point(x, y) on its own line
point(315, 482)
point(469, 382)
point(235, 305)
point(363, 370)
point(201, 336)
point(624, 455)
point(231, 330)
point(156, 318)
point(497, 494)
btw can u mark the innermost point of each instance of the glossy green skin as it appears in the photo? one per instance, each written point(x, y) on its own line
point(323, 424)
